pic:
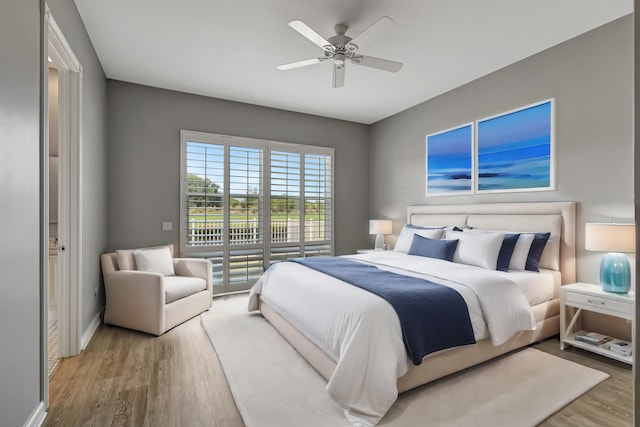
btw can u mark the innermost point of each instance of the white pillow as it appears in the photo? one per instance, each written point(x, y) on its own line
point(479, 249)
point(126, 260)
point(155, 260)
point(521, 251)
point(406, 236)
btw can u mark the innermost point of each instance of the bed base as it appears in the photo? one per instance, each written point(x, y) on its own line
point(556, 217)
point(436, 365)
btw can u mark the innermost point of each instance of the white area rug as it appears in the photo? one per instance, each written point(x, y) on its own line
point(273, 386)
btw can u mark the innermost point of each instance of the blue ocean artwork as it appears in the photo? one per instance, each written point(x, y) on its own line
point(449, 161)
point(514, 150)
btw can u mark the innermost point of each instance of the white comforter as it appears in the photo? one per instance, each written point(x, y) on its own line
point(361, 332)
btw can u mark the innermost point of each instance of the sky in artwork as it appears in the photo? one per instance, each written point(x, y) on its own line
point(449, 160)
point(514, 150)
point(520, 129)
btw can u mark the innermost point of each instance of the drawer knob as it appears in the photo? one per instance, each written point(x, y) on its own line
point(596, 302)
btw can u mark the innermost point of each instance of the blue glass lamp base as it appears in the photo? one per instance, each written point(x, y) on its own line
point(615, 273)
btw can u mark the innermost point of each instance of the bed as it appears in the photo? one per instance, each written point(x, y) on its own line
point(365, 375)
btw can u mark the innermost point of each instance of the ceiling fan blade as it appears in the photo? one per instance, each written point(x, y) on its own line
point(338, 75)
point(310, 34)
point(373, 31)
point(379, 63)
point(299, 64)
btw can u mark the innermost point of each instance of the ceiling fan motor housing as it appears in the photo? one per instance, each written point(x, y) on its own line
point(340, 48)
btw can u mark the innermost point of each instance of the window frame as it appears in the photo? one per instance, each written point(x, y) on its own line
point(224, 250)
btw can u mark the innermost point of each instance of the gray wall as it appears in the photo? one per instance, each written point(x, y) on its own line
point(144, 158)
point(20, 213)
point(20, 321)
point(94, 153)
point(591, 79)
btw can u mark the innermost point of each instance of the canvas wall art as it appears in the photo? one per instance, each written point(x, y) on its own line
point(516, 150)
point(450, 161)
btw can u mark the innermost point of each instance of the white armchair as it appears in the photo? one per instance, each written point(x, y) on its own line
point(137, 297)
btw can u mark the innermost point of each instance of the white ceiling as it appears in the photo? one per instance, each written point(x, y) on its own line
point(229, 49)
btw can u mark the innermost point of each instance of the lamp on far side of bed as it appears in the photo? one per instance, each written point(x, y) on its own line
point(615, 271)
point(380, 227)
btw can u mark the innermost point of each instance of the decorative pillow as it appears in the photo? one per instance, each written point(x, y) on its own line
point(126, 260)
point(408, 231)
point(533, 260)
point(155, 260)
point(506, 250)
point(521, 252)
point(480, 249)
point(430, 248)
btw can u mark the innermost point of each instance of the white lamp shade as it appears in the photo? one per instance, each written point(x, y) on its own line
point(380, 226)
point(610, 237)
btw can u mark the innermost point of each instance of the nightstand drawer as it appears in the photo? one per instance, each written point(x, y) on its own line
point(595, 303)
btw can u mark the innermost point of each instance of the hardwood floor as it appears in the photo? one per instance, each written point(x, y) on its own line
point(126, 378)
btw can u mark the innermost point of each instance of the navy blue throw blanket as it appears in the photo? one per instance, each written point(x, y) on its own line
point(433, 317)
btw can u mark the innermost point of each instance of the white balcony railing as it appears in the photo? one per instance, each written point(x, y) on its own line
point(211, 232)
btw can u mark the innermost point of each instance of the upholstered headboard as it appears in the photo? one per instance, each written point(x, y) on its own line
point(558, 218)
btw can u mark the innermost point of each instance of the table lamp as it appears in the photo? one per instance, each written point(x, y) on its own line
point(380, 227)
point(615, 271)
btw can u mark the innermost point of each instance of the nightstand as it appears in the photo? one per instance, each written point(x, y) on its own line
point(578, 297)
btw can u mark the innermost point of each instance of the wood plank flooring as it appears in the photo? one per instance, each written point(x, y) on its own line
point(127, 378)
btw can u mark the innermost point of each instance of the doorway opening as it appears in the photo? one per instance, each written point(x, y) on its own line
point(56, 210)
point(62, 217)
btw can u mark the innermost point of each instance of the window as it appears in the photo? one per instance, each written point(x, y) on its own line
point(247, 203)
point(285, 205)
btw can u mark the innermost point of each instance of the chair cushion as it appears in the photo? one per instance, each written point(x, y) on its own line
point(155, 260)
point(178, 287)
point(127, 261)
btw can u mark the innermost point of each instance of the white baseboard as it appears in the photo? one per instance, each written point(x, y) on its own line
point(88, 333)
point(37, 417)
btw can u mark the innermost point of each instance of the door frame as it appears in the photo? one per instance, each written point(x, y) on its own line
point(70, 75)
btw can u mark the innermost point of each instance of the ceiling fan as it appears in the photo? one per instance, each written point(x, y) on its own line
point(341, 48)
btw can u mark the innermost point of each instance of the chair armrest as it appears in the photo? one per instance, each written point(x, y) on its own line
point(142, 280)
point(135, 300)
point(194, 267)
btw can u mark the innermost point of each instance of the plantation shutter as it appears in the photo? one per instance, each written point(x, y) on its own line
point(318, 204)
point(204, 194)
point(285, 205)
point(247, 203)
point(245, 214)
